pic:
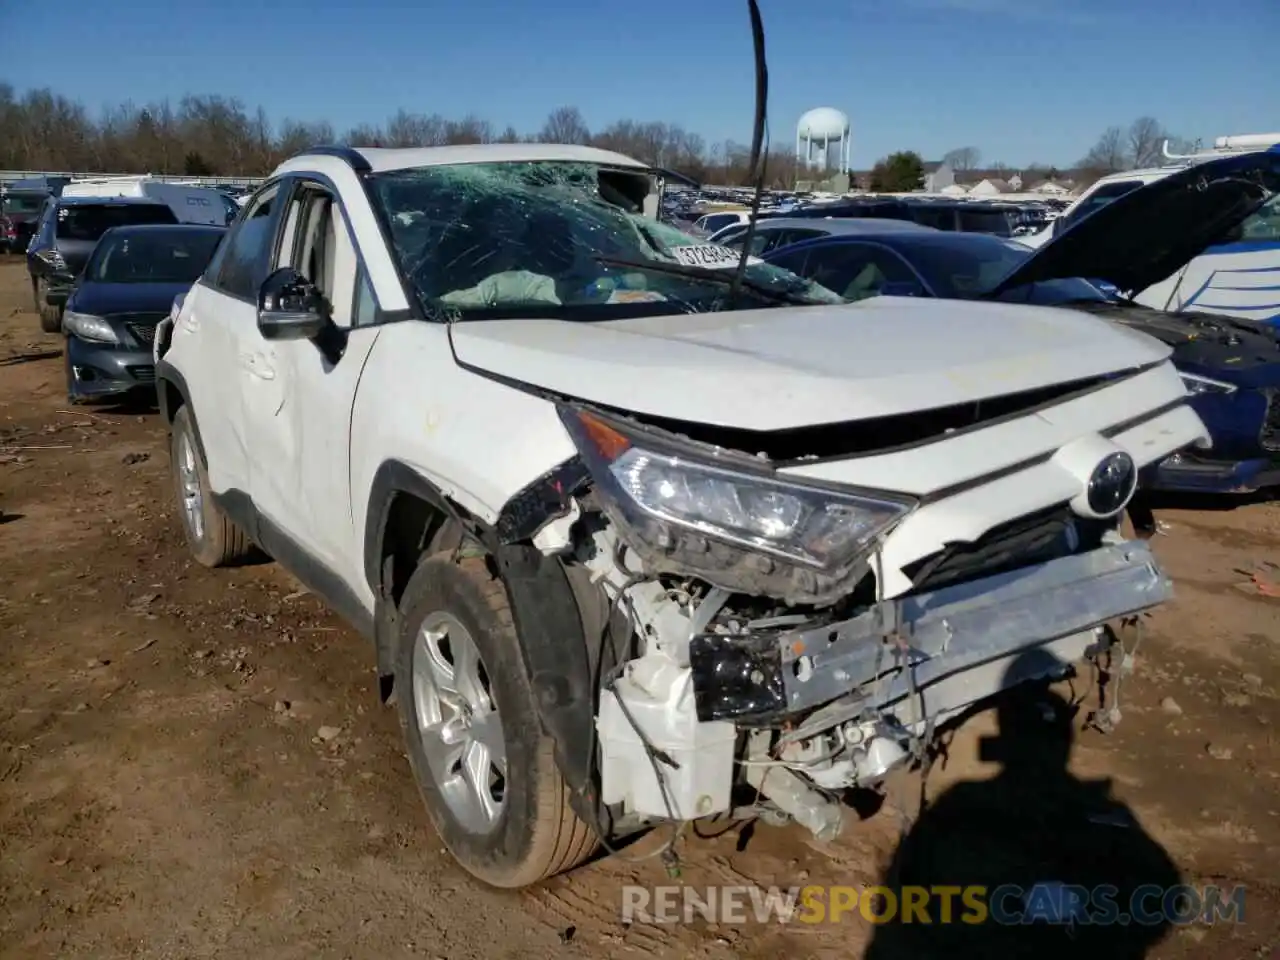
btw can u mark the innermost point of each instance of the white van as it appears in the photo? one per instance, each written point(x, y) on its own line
point(190, 204)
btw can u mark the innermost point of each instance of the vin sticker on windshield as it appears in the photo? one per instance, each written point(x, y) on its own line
point(706, 255)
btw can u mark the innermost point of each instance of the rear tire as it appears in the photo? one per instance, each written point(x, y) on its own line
point(451, 615)
point(214, 540)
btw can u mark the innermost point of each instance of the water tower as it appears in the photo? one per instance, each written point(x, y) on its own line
point(817, 131)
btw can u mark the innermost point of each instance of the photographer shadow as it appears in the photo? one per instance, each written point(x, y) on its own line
point(1060, 858)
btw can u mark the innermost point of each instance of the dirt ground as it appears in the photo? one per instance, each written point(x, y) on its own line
point(165, 791)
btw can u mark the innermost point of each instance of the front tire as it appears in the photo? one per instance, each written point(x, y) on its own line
point(214, 540)
point(484, 765)
point(50, 316)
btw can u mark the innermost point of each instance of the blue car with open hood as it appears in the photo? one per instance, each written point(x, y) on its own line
point(1231, 366)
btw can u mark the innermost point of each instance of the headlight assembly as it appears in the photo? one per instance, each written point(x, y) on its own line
point(1197, 384)
point(88, 327)
point(744, 530)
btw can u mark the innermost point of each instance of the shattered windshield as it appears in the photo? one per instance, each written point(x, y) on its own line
point(560, 239)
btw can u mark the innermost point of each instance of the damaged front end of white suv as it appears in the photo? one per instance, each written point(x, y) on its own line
point(751, 535)
point(783, 627)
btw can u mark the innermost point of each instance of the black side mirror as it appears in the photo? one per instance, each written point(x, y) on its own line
point(291, 307)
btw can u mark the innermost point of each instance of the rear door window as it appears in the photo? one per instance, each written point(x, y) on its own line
point(940, 218)
point(88, 222)
point(995, 222)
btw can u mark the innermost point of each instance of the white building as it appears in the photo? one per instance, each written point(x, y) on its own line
point(990, 188)
point(1050, 187)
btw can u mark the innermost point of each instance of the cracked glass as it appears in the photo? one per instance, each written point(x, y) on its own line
point(559, 239)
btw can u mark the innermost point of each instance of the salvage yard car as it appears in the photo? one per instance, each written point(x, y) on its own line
point(630, 530)
point(127, 287)
point(65, 236)
point(1230, 366)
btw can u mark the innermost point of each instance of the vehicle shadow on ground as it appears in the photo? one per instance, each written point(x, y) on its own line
point(139, 403)
point(1060, 861)
point(30, 357)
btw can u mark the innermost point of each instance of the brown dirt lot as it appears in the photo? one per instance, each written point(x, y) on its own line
point(164, 793)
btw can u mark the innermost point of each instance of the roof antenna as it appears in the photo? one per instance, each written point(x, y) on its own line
point(758, 156)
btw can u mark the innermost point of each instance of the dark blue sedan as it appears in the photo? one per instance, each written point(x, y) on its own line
point(127, 287)
point(1231, 367)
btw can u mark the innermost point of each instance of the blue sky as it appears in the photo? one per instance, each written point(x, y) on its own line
point(1023, 80)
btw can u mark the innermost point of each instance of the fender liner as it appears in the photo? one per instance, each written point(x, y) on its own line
point(553, 641)
point(553, 618)
point(394, 477)
point(169, 375)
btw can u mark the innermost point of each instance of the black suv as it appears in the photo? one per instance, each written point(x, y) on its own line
point(68, 231)
point(965, 216)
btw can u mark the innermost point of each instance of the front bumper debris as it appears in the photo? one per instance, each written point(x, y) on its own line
point(761, 678)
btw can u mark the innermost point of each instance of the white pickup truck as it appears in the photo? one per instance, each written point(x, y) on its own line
point(627, 533)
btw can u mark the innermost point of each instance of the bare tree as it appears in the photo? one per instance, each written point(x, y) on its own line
point(1183, 145)
point(365, 135)
point(1108, 154)
point(1146, 142)
point(963, 159)
point(470, 129)
point(417, 130)
point(296, 136)
point(565, 125)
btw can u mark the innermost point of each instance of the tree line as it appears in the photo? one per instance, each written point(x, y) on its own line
point(211, 135)
point(1141, 144)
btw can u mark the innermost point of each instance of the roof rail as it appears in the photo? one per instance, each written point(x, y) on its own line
point(352, 156)
point(1223, 146)
point(114, 178)
point(1247, 141)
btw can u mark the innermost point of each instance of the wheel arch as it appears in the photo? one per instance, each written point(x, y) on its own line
point(172, 393)
point(555, 609)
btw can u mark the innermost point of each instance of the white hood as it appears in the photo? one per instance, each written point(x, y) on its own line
point(779, 368)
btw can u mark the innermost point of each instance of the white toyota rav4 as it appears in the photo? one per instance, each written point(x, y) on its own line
point(629, 534)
